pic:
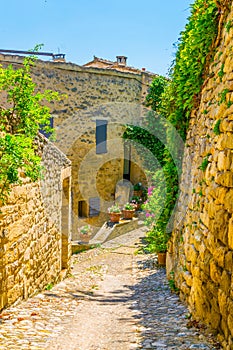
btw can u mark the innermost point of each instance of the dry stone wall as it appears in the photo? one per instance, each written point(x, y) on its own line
point(201, 248)
point(31, 251)
point(92, 94)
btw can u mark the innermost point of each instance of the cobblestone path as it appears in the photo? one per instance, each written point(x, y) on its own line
point(113, 300)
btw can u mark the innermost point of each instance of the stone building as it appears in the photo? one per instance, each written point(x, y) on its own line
point(36, 223)
point(99, 98)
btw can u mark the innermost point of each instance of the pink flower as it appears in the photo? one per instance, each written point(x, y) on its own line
point(150, 190)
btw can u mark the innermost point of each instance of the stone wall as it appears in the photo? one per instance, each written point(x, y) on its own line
point(201, 249)
point(92, 94)
point(34, 248)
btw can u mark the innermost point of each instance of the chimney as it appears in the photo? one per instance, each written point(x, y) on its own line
point(59, 57)
point(143, 69)
point(121, 60)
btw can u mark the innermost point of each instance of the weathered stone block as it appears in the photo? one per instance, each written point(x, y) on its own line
point(230, 233)
point(185, 289)
point(225, 283)
point(205, 219)
point(212, 208)
point(223, 303)
point(191, 253)
point(27, 254)
point(225, 141)
point(225, 179)
point(17, 229)
point(188, 278)
point(229, 261)
point(215, 317)
point(230, 323)
point(219, 255)
point(224, 327)
point(226, 125)
point(215, 272)
point(219, 226)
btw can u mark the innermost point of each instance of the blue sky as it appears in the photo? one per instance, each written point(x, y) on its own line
point(144, 31)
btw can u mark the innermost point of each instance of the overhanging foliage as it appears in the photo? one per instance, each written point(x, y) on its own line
point(21, 115)
point(175, 100)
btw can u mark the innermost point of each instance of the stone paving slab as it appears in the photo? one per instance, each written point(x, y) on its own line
point(113, 300)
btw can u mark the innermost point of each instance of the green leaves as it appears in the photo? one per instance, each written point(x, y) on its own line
point(25, 113)
point(147, 140)
point(187, 73)
point(153, 99)
point(175, 100)
point(223, 96)
point(21, 116)
point(216, 128)
point(204, 163)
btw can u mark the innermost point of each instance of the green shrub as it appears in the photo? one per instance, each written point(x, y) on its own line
point(22, 114)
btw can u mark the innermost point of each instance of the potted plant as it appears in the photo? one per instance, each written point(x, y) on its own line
point(128, 211)
point(137, 189)
point(114, 213)
point(158, 240)
point(85, 233)
point(137, 202)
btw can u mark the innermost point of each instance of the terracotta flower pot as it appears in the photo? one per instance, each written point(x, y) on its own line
point(115, 217)
point(137, 193)
point(162, 258)
point(128, 214)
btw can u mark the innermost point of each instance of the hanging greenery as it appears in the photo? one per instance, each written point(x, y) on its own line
point(146, 140)
point(175, 99)
point(188, 71)
point(22, 114)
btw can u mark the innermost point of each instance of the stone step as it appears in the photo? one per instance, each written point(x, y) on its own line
point(108, 232)
point(102, 235)
point(123, 227)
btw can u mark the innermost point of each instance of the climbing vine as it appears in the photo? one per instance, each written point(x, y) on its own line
point(176, 99)
point(157, 87)
point(147, 140)
point(189, 68)
point(22, 114)
point(153, 125)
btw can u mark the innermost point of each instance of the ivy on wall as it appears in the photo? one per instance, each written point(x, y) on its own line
point(177, 97)
point(22, 114)
point(147, 140)
point(188, 70)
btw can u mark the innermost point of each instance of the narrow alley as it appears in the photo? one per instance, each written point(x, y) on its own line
point(115, 299)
